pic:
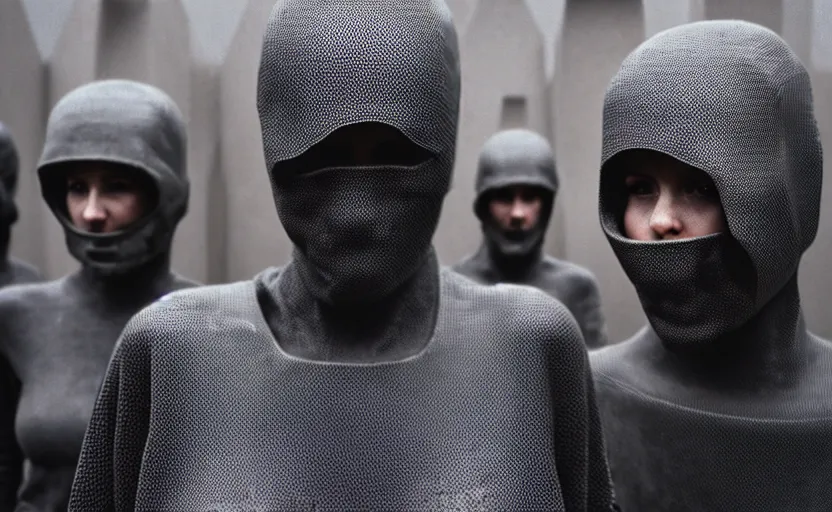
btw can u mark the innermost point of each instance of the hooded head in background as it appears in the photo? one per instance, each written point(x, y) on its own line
point(516, 185)
point(135, 128)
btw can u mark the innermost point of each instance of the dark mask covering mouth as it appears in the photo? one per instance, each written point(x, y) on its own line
point(694, 290)
point(366, 255)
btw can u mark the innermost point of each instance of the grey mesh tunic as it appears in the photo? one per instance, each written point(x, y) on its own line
point(360, 376)
point(58, 337)
point(724, 402)
point(522, 157)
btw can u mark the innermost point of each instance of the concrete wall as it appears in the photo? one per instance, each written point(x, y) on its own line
point(543, 64)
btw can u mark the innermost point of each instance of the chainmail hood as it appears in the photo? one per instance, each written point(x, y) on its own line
point(359, 232)
point(515, 157)
point(732, 99)
point(122, 122)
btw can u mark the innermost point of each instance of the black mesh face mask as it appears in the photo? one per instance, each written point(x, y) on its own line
point(129, 125)
point(752, 131)
point(359, 230)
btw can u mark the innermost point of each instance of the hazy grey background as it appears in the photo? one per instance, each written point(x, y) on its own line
point(543, 64)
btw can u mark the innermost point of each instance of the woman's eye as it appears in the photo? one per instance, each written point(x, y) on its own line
point(76, 187)
point(705, 190)
point(119, 187)
point(639, 187)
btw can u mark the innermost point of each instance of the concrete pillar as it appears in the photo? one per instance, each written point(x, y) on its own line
point(596, 37)
point(503, 86)
point(22, 110)
point(255, 239)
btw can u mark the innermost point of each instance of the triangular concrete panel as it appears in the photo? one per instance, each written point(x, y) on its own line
point(255, 238)
point(461, 10)
point(47, 19)
point(213, 26)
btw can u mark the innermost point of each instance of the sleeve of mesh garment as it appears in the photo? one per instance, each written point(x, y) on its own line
point(11, 459)
point(580, 455)
point(111, 456)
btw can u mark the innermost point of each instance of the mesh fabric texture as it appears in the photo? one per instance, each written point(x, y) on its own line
point(202, 410)
point(723, 402)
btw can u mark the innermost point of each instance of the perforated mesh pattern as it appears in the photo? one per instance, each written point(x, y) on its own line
point(373, 60)
point(744, 421)
point(736, 103)
point(202, 411)
point(359, 233)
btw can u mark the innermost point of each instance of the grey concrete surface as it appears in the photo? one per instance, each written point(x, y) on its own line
point(543, 64)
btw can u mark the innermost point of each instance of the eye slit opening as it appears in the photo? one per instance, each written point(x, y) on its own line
point(371, 144)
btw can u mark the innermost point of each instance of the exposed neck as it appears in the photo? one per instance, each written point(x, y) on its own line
point(765, 352)
point(396, 327)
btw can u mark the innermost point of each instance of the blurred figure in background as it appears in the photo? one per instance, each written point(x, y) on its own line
point(516, 187)
point(710, 194)
point(12, 271)
point(113, 173)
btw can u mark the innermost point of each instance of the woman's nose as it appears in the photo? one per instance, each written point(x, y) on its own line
point(94, 208)
point(665, 221)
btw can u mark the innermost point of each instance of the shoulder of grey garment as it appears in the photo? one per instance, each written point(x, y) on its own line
point(534, 316)
point(128, 123)
point(22, 272)
point(513, 313)
point(578, 288)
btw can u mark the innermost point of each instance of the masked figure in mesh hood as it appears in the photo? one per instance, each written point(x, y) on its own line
point(12, 271)
point(710, 194)
point(113, 173)
point(361, 376)
point(516, 187)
